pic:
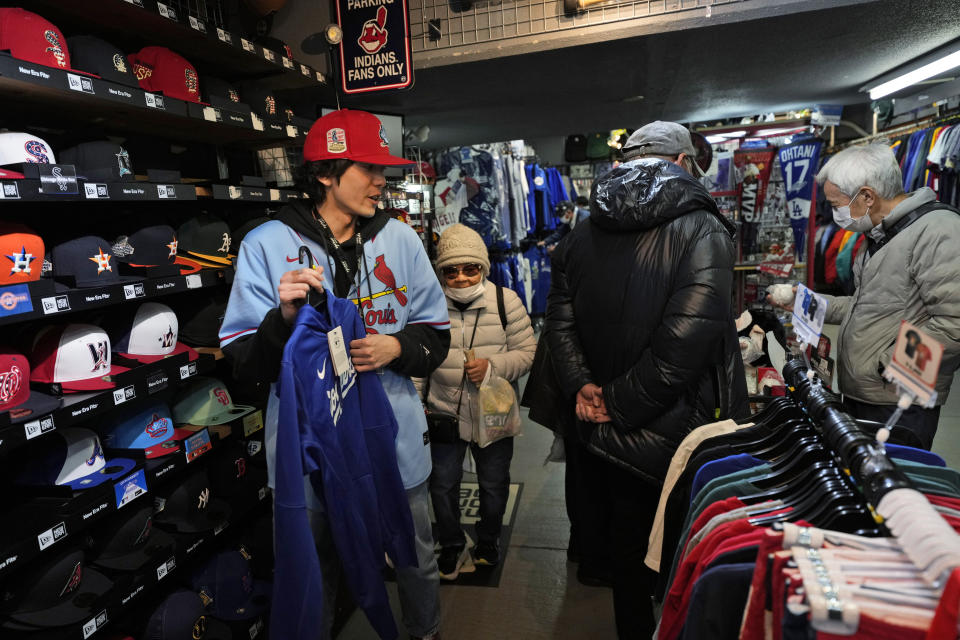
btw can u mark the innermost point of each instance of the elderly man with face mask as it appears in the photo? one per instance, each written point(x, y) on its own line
point(908, 269)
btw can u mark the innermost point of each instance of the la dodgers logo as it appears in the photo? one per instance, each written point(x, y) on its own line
point(103, 261)
point(21, 261)
point(157, 427)
point(37, 152)
point(336, 141)
point(10, 382)
point(55, 47)
point(98, 352)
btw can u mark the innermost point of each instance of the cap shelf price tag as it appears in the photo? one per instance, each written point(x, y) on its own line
point(275, 195)
point(80, 83)
point(164, 570)
point(130, 488)
point(915, 364)
point(122, 395)
point(252, 423)
point(153, 101)
point(52, 535)
point(247, 45)
point(166, 192)
point(93, 625)
point(39, 426)
point(96, 191)
point(224, 36)
point(197, 444)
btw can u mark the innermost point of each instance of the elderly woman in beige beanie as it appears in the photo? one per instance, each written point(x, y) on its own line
point(481, 344)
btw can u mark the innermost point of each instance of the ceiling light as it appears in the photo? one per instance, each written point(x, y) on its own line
point(935, 68)
point(333, 34)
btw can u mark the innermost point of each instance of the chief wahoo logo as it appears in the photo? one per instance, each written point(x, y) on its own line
point(374, 35)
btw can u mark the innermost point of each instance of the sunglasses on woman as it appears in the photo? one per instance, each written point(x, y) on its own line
point(469, 270)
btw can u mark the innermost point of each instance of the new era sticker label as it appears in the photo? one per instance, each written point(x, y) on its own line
point(123, 395)
point(136, 290)
point(197, 25)
point(10, 191)
point(247, 45)
point(305, 70)
point(188, 370)
point(166, 192)
point(194, 281)
point(224, 36)
point(269, 55)
point(80, 83)
point(93, 625)
point(153, 101)
point(288, 63)
point(55, 304)
point(94, 191)
point(138, 3)
point(38, 427)
point(52, 535)
point(166, 11)
point(164, 569)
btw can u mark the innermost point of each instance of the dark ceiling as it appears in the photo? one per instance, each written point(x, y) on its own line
point(703, 74)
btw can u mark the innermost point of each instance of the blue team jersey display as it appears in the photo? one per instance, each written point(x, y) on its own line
point(339, 430)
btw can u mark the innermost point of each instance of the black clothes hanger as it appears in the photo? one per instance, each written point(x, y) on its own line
point(306, 255)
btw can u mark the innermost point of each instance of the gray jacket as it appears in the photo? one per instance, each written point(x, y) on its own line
point(915, 277)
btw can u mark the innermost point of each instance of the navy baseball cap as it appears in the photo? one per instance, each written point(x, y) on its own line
point(99, 160)
point(93, 55)
point(181, 616)
point(15, 394)
point(71, 458)
point(149, 428)
point(151, 336)
point(88, 261)
point(56, 593)
point(228, 586)
point(132, 544)
point(152, 246)
point(192, 507)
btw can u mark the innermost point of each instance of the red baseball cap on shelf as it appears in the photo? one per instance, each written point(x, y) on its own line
point(351, 135)
point(33, 38)
point(160, 69)
point(75, 356)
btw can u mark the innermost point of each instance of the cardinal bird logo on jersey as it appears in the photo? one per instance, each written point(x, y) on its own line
point(374, 36)
point(385, 275)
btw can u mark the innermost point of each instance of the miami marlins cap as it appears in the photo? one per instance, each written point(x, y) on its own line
point(150, 428)
point(33, 38)
point(152, 246)
point(160, 69)
point(206, 239)
point(99, 57)
point(350, 134)
point(87, 262)
point(151, 336)
point(259, 97)
point(192, 506)
point(133, 543)
point(72, 458)
point(181, 616)
point(206, 401)
point(22, 251)
point(221, 93)
point(227, 585)
point(74, 356)
point(100, 160)
point(55, 593)
point(15, 394)
point(17, 147)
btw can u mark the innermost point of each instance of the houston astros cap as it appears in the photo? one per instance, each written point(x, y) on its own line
point(54, 593)
point(206, 401)
point(259, 97)
point(133, 543)
point(93, 55)
point(99, 160)
point(160, 69)
point(220, 93)
point(149, 428)
point(15, 394)
point(22, 252)
point(74, 356)
point(17, 147)
point(181, 616)
point(354, 135)
point(152, 246)
point(226, 583)
point(151, 336)
point(72, 458)
point(206, 239)
point(33, 38)
point(191, 507)
point(87, 262)
point(662, 139)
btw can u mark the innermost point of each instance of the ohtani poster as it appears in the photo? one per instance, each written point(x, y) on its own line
point(375, 50)
point(753, 169)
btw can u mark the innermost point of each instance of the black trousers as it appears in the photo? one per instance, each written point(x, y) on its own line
point(922, 422)
point(589, 508)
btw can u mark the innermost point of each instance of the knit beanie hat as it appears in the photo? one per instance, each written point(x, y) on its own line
point(460, 244)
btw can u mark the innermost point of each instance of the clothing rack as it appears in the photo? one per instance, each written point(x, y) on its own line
point(897, 131)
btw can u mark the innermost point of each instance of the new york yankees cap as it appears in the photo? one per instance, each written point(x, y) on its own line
point(151, 336)
point(191, 506)
point(133, 543)
point(160, 69)
point(56, 592)
point(206, 239)
point(33, 38)
point(74, 356)
point(206, 401)
point(17, 147)
point(149, 428)
point(71, 457)
point(99, 160)
point(87, 262)
point(181, 616)
point(99, 57)
point(151, 246)
point(22, 250)
point(227, 585)
point(354, 135)
point(16, 398)
point(259, 97)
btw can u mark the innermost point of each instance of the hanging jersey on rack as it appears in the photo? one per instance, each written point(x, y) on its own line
point(482, 212)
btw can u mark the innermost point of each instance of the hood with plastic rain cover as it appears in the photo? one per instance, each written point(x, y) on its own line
point(645, 193)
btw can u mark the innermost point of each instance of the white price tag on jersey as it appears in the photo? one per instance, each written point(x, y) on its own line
point(809, 314)
point(224, 36)
point(247, 45)
point(338, 351)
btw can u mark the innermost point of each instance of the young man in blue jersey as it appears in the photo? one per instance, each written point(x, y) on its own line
point(380, 264)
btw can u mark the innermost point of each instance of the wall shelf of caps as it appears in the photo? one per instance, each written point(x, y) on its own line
point(194, 36)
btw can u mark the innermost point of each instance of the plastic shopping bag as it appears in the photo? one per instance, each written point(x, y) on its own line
point(498, 413)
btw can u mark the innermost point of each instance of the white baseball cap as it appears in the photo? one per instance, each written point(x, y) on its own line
point(17, 147)
point(74, 356)
point(152, 336)
point(75, 459)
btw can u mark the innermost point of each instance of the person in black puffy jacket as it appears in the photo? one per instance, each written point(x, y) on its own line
point(640, 330)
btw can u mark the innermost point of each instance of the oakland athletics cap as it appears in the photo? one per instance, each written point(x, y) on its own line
point(160, 69)
point(133, 543)
point(152, 246)
point(151, 336)
point(149, 428)
point(15, 394)
point(87, 262)
point(74, 356)
point(353, 135)
point(17, 147)
point(33, 38)
point(205, 239)
point(230, 589)
point(22, 251)
point(93, 55)
point(70, 457)
point(191, 507)
point(206, 401)
point(99, 160)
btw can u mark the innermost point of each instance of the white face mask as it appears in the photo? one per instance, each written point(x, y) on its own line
point(841, 215)
point(467, 294)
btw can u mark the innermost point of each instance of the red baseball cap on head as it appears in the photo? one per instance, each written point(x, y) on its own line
point(32, 38)
point(351, 135)
point(159, 69)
